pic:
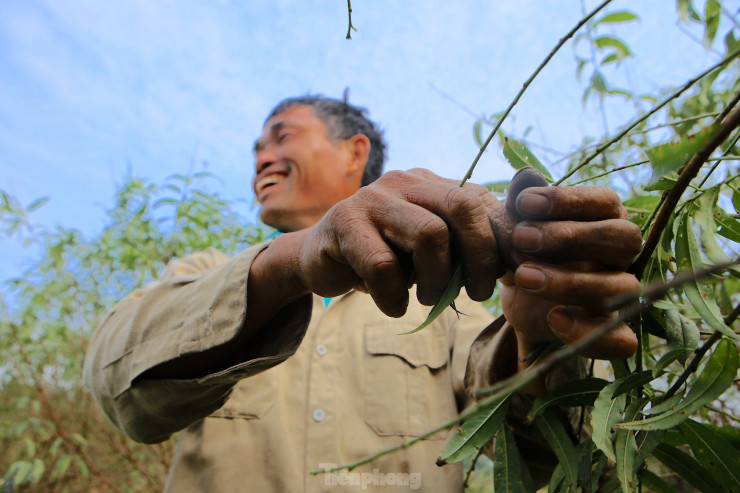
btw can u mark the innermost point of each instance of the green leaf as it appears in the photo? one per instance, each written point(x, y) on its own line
point(729, 227)
point(498, 187)
point(82, 466)
point(625, 449)
point(606, 413)
point(703, 213)
point(665, 158)
point(711, 19)
point(714, 379)
point(682, 334)
point(655, 483)
point(475, 432)
point(687, 11)
point(731, 42)
point(669, 358)
point(448, 298)
point(60, 469)
point(37, 471)
point(36, 204)
point(507, 464)
point(667, 404)
point(610, 58)
point(615, 17)
point(477, 132)
point(646, 443)
point(640, 207)
point(598, 83)
point(714, 453)
point(560, 443)
point(698, 292)
point(622, 50)
point(577, 393)
point(687, 467)
point(664, 183)
point(519, 156)
point(636, 380)
point(21, 471)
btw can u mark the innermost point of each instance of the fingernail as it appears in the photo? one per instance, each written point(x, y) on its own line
point(560, 321)
point(527, 237)
point(529, 277)
point(533, 204)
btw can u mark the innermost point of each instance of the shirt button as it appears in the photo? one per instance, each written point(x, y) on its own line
point(318, 415)
point(321, 350)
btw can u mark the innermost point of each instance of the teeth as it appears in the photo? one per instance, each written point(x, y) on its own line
point(268, 180)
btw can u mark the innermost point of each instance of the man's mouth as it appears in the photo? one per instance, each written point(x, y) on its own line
point(268, 181)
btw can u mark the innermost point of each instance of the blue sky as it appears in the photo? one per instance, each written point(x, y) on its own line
point(89, 89)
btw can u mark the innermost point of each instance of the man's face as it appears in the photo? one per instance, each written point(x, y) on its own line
point(300, 171)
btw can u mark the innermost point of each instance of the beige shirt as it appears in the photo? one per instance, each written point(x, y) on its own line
point(329, 386)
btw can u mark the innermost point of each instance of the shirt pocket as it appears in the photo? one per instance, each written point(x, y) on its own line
point(407, 389)
point(251, 398)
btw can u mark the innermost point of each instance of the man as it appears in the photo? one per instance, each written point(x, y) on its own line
point(268, 383)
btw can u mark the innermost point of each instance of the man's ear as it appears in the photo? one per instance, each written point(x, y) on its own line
point(359, 148)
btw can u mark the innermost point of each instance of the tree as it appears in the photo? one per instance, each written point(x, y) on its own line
point(667, 420)
point(61, 441)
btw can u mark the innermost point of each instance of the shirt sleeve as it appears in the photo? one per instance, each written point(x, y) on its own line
point(199, 302)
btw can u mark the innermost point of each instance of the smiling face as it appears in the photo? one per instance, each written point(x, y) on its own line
point(301, 172)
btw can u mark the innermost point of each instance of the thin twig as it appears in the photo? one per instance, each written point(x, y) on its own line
point(655, 109)
point(723, 413)
point(350, 27)
point(472, 467)
point(609, 172)
point(658, 290)
point(691, 169)
point(730, 105)
point(526, 84)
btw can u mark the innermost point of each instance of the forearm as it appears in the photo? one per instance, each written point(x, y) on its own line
point(144, 363)
point(271, 287)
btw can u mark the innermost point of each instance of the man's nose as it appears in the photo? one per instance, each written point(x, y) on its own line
point(264, 158)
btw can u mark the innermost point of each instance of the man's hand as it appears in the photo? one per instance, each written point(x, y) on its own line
point(406, 227)
point(573, 251)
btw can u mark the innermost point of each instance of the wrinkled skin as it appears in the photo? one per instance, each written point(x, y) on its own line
point(416, 222)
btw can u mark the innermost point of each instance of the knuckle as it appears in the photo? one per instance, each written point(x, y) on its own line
point(461, 202)
point(432, 233)
point(393, 177)
point(421, 172)
point(378, 265)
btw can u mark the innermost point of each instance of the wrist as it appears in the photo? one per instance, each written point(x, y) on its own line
point(273, 282)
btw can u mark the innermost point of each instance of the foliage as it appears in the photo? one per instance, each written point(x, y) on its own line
point(669, 418)
point(54, 437)
point(654, 399)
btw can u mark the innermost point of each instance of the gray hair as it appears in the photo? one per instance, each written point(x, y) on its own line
point(343, 121)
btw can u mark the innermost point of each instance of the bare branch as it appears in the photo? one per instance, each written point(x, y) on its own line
point(526, 85)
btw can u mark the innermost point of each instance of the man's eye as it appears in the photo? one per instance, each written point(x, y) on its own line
point(282, 137)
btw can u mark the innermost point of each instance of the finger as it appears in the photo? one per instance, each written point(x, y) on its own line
point(466, 212)
point(360, 246)
point(570, 203)
point(570, 324)
point(571, 287)
point(421, 234)
point(612, 242)
point(524, 178)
